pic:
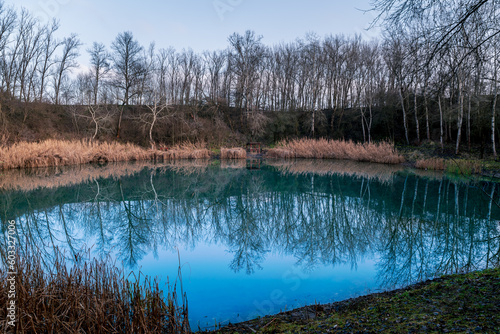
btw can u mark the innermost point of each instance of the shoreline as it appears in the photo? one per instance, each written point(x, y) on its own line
point(55, 153)
point(458, 303)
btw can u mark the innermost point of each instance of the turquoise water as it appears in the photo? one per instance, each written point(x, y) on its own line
point(253, 242)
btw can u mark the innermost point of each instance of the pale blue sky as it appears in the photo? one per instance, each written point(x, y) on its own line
point(202, 24)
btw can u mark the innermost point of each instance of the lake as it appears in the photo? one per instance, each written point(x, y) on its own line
point(255, 238)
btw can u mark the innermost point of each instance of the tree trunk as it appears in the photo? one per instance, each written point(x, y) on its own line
point(404, 115)
point(460, 119)
point(493, 116)
point(119, 125)
point(369, 125)
point(468, 123)
point(151, 130)
point(416, 116)
point(427, 127)
point(363, 124)
point(312, 122)
point(440, 123)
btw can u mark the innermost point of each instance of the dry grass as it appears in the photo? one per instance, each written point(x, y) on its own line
point(280, 153)
point(382, 152)
point(431, 164)
point(233, 153)
point(91, 297)
point(377, 172)
point(61, 153)
point(185, 150)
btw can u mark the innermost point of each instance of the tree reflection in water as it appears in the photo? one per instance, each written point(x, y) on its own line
point(340, 212)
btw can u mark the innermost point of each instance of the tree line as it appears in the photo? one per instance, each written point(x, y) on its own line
point(433, 73)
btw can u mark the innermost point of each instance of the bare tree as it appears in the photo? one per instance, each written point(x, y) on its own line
point(66, 62)
point(247, 55)
point(450, 18)
point(50, 45)
point(396, 61)
point(128, 65)
point(100, 67)
point(215, 61)
point(156, 108)
point(496, 64)
point(7, 25)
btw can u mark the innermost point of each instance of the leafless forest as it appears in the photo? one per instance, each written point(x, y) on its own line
point(432, 75)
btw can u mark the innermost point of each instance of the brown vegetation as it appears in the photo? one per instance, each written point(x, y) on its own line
point(185, 150)
point(382, 152)
point(431, 164)
point(91, 297)
point(280, 153)
point(62, 152)
point(233, 153)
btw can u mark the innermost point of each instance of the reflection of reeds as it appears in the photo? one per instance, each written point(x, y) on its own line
point(186, 167)
point(61, 153)
point(91, 297)
point(235, 163)
point(382, 152)
point(233, 153)
point(382, 173)
point(61, 176)
point(54, 177)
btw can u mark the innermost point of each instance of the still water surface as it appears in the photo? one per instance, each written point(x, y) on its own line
point(253, 242)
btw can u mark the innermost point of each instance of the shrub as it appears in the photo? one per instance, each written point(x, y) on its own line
point(233, 153)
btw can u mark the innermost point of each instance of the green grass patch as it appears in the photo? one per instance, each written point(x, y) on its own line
point(463, 167)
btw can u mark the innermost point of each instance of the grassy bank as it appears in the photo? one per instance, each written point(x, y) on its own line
point(382, 152)
point(430, 156)
point(465, 303)
point(455, 166)
point(51, 153)
point(91, 297)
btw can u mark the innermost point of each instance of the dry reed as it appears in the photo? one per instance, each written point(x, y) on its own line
point(185, 150)
point(233, 153)
point(382, 152)
point(91, 297)
point(61, 153)
point(431, 164)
